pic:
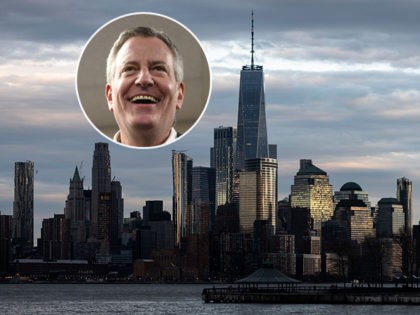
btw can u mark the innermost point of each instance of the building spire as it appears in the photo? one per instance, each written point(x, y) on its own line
point(252, 40)
point(76, 176)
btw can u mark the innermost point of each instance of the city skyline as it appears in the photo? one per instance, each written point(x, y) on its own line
point(322, 71)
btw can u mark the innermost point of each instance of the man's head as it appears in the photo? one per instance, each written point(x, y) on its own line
point(144, 85)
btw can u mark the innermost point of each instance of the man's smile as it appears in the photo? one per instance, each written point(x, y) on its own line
point(144, 99)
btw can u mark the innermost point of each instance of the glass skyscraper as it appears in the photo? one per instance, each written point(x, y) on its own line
point(258, 194)
point(182, 185)
point(223, 158)
point(312, 190)
point(404, 192)
point(252, 127)
point(390, 219)
point(202, 200)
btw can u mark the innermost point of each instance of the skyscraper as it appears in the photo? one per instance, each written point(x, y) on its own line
point(23, 206)
point(152, 210)
point(75, 221)
point(182, 181)
point(6, 223)
point(252, 129)
point(353, 215)
point(117, 214)
point(202, 200)
point(224, 162)
point(101, 183)
point(390, 219)
point(404, 191)
point(351, 191)
point(312, 190)
point(75, 209)
point(258, 194)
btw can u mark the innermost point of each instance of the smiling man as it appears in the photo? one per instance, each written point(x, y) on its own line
point(144, 87)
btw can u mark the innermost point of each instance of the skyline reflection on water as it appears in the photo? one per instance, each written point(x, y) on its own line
point(153, 299)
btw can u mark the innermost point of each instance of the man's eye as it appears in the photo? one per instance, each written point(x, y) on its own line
point(128, 69)
point(159, 68)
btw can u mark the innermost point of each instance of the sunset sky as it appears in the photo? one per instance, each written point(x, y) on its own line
point(342, 88)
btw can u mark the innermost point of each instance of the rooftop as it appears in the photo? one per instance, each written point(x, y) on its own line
point(267, 275)
point(351, 186)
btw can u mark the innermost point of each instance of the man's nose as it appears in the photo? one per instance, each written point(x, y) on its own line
point(144, 78)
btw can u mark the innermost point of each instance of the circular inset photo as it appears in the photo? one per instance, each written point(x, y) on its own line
point(143, 80)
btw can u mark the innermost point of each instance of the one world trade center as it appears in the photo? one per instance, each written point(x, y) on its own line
point(252, 127)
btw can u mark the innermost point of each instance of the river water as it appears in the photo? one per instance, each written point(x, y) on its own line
point(153, 299)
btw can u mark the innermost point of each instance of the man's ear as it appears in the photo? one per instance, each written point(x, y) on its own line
point(180, 99)
point(108, 95)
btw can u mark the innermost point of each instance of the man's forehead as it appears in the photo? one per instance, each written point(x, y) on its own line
point(140, 46)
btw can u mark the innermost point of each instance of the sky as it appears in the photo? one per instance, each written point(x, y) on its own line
point(341, 88)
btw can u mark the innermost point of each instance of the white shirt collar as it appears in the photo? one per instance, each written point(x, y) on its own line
point(172, 136)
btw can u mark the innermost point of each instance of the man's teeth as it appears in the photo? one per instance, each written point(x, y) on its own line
point(144, 99)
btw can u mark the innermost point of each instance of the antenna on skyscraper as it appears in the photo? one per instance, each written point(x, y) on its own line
point(252, 40)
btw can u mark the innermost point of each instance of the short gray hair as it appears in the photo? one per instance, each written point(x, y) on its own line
point(143, 31)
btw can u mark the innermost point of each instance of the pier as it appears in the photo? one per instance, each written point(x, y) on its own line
point(268, 285)
point(312, 294)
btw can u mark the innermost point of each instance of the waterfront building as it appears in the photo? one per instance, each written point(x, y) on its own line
point(416, 247)
point(223, 160)
point(282, 256)
point(308, 256)
point(54, 238)
point(231, 258)
point(182, 185)
point(258, 194)
point(312, 190)
point(390, 218)
point(168, 263)
point(404, 196)
point(311, 265)
point(6, 222)
point(392, 259)
point(343, 238)
point(336, 265)
point(252, 128)
point(23, 209)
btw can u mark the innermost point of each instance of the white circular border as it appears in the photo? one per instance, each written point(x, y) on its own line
point(147, 14)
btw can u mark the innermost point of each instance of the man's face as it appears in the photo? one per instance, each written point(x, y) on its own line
point(144, 94)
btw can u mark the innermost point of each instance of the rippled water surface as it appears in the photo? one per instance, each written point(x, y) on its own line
point(153, 299)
